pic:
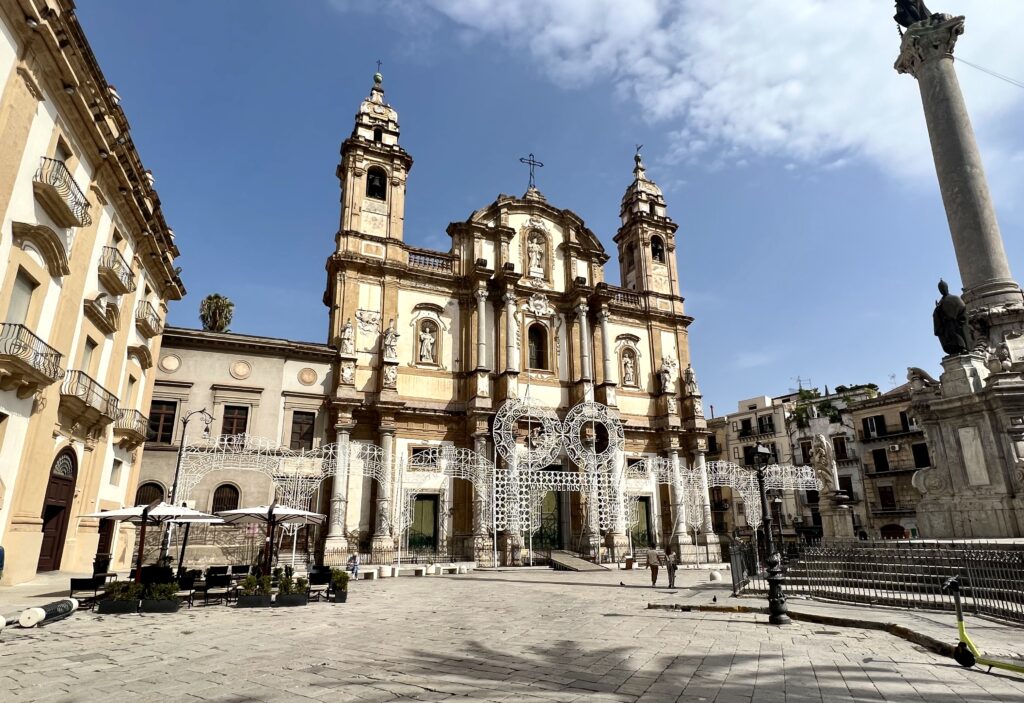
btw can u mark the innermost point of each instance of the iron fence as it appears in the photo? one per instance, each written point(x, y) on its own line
point(907, 574)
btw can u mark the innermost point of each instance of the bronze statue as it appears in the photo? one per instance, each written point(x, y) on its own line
point(950, 321)
point(910, 11)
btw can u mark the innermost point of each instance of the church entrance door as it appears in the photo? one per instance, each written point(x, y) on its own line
point(60, 491)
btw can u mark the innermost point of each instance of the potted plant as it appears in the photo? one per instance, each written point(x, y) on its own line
point(161, 598)
point(255, 592)
point(292, 592)
point(339, 585)
point(121, 597)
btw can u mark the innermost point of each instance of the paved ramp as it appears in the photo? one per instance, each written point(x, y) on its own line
point(563, 561)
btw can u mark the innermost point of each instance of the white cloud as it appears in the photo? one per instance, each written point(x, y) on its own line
point(807, 81)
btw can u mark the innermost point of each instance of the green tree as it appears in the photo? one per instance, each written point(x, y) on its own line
point(215, 312)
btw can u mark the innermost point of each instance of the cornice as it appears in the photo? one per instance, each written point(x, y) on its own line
point(186, 338)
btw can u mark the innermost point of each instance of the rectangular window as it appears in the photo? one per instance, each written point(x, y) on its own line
point(766, 424)
point(236, 420)
point(115, 472)
point(846, 485)
point(746, 427)
point(886, 496)
point(921, 458)
point(839, 445)
point(21, 298)
point(302, 430)
point(805, 452)
point(735, 452)
point(748, 456)
point(129, 393)
point(161, 421)
point(87, 354)
point(881, 459)
point(904, 421)
point(712, 444)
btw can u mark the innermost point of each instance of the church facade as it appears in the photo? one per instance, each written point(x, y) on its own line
point(426, 346)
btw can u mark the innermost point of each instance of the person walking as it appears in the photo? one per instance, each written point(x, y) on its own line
point(671, 566)
point(353, 566)
point(652, 563)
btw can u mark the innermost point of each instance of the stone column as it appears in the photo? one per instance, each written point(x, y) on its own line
point(680, 538)
point(927, 54)
point(382, 535)
point(581, 314)
point(481, 328)
point(483, 504)
point(617, 538)
point(713, 553)
point(511, 334)
point(336, 538)
point(610, 372)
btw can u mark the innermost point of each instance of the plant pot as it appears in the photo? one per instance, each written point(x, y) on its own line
point(255, 601)
point(290, 600)
point(160, 606)
point(339, 597)
point(116, 607)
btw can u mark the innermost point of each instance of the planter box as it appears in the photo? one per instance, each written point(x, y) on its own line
point(255, 601)
point(160, 606)
point(339, 597)
point(116, 607)
point(290, 600)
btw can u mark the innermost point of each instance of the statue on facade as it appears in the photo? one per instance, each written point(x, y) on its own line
point(667, 374)
point(910, 11)
point(348, 338)
point(628, 372)
point(823, 460)
point(690, 387)
point(426, 344)
point(391, 342)
point(950, 322)
point(390, 376)
point(535, 252)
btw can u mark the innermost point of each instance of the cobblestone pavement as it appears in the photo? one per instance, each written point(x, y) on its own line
point(524, 635)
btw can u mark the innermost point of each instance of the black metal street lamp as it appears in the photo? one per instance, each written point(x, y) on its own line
point(207, 418)
point(776, 598)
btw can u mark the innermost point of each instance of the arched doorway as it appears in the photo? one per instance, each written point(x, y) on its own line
point(893, 532)
point(60, 491)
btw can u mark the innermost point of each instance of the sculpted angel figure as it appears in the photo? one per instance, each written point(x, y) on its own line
point(348, 338)
point(391, 342)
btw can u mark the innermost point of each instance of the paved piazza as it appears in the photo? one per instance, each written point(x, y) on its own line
point(529, 636)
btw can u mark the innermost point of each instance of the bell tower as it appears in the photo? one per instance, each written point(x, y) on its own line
point(373, 170)
point(646, 237)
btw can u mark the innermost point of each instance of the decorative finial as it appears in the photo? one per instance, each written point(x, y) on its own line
point(378, 78)
point(638, 168)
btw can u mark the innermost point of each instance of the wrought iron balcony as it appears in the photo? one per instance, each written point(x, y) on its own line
point(86, 403)
point(60, 196)
point(430, 260)
point(115, 272)
point(130, 429)
point(27, 363)
point(147, 320)
point(892, 508)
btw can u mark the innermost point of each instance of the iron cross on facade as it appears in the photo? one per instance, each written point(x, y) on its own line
point(379, 62)
point(532, 163)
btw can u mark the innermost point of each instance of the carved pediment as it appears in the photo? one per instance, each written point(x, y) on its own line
point(142, 355)
point(49, 244)
point(104, 313)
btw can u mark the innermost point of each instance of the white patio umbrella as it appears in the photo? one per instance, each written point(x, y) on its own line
point(272, 516)
point(156, 513)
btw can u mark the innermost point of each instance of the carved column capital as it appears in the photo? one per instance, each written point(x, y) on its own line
point(581, 309)
point(480, 295)
point(931, 39)
point(604, 316)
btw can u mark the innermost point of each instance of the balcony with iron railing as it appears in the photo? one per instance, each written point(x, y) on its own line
point(892, 508)
point(431, 260)
point(751, 432)
point(895, 467)
point(59, 194)
point(130, 429)
point(147, 320)
point(115, 272)
point(625, 297)
point(888, 435)
point(27, 363)
point(85, 402)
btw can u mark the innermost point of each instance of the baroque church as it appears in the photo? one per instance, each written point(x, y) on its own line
point(425, 347)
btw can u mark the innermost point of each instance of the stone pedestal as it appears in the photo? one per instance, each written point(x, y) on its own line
point(963, 374)
point(836, 520)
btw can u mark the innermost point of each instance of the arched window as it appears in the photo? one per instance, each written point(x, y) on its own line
point(630, 372)
point(427, 342)
point(537, 337)
point(630, 258)
point(378, 134)
point(224, 498)
point(377, 183)
point(148, 493)
point(651, 208)
point(658, 249)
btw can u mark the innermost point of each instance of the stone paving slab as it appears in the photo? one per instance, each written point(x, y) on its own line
point(522, 636)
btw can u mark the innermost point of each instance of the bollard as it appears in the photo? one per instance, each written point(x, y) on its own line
point(56, 610)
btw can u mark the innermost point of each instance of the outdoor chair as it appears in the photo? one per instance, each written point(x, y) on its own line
point(216, 570)
point(217, 586)
point(187, 588)
point(240, 571)
point(156, 574)
point(319, 584)
point(87, 589)
point(101, 567)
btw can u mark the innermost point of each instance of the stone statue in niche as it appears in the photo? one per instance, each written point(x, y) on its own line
point(667, 374)
point(950, 322)
point(628, 371)
point(535, 253)
point(690, 387)
point(427, 342)
point(391, 342)
point(348, 338)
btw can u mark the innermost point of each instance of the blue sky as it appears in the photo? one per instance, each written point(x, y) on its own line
point(811, 231)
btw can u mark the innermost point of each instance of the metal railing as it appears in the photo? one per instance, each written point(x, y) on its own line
point(386, 557)
point(894, 467)
point(146, 313)
point(55, 173)
point(430, 260)
point(907, 574)
point(82, 386)
point(132, 421)
point(624, 297)
point(892, 508)
point(18, 342)
point(113, 260)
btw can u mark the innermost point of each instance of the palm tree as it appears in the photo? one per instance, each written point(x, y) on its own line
point(215, 312)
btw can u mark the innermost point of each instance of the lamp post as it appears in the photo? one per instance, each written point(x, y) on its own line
point(776, 598)
point(207, 418)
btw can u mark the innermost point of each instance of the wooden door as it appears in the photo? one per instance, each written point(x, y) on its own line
point(60, 491)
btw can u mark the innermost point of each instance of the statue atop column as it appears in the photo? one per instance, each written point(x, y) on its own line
point(348, 338)
point(910, 11)
point(950, 322)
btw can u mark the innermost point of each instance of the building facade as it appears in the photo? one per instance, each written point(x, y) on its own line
point(86, 270)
